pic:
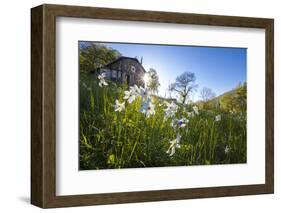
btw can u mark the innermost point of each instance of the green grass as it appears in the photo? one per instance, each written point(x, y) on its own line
point(129, 139)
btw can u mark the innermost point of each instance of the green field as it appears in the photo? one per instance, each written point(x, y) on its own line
point(154, 132)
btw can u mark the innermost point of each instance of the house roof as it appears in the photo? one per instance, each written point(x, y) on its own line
point(124, 57)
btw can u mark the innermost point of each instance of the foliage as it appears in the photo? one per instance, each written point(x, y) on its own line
point(93, 56)
point(235, 101)
point(153, 80)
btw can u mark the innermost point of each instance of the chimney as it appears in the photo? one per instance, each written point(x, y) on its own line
point(141, 60)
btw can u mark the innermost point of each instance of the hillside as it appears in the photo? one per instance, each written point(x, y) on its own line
point(234, 100)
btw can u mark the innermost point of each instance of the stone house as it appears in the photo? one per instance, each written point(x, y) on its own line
point(125, 70)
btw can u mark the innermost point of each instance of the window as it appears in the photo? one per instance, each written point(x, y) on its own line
point(114, 74)
point(133, 69)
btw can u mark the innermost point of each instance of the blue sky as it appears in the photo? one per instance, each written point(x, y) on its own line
point(220, 69)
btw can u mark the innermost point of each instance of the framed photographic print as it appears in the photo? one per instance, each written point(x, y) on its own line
point(136, 106)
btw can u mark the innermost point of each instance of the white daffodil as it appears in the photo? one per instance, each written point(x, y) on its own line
point(226, 150)
point(179, 123)
point(132, 94)
point(151, 109)
point(147, 108)
point(190, 114)
point(218, 118)
point(102, 81)
point(196, 110)
point(171, 106)
point(173, 145)
point(171, 109)
point(102, 75)
point(183, 122)
point(129, 96)
point(135, 89)
point(143, 92)
point(119, 106)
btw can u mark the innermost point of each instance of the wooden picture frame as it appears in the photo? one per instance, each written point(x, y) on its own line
point(43, 105)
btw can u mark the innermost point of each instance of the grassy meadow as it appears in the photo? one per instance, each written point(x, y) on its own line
point(143, 130)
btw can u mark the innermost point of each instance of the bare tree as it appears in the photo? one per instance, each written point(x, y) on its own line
point(184, 86)
point(207, 94)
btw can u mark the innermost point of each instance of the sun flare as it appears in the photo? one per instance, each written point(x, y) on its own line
point(146, 79)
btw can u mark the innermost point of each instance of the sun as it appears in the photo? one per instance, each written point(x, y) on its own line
point(146, 79)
